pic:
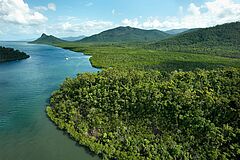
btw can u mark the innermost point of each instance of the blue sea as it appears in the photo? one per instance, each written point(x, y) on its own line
point(25, 87)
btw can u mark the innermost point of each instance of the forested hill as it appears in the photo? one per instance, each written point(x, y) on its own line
point(127, 34)
point(47, 39)
point(222, 40)
point(9, 54)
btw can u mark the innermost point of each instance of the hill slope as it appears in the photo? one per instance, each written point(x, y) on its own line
point(47, 39)
point(127, 34)
point(222, 40)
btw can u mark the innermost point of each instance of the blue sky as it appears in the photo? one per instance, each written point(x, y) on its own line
point(26, 19)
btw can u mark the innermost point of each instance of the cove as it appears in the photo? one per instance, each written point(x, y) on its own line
point(25, 86)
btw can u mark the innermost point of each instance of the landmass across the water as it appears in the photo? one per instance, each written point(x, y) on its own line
point(9, 54)
point(205, 48)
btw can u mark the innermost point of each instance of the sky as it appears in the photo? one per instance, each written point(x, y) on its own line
point(27, 19)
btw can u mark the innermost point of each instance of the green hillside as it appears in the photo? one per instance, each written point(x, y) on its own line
point(47, 39)
point(127, 34)
point(221, 40)
point(9, 54)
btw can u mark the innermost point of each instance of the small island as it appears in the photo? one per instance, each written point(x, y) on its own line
point(9, 54)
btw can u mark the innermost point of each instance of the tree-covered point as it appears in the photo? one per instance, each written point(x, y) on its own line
point(132, 114)
point(9, 54)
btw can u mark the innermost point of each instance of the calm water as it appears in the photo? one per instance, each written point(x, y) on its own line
point(25, 86)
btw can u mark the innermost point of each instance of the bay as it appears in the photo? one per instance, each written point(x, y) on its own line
point(25, 86)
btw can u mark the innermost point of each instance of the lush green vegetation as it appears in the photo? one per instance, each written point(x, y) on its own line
point(223, 40)
point(134, 56)
point(9, 54)
point(197, 48)
point(127, 34)
point(132, 114)
point(48, 39)
point(142, 108)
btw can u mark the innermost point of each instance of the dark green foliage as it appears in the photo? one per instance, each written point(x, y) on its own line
point(9, 54)
point(45, 39)
point(132, 114)
point(127, 34)
point(134, 56)
point(221, 40)
point(144, 114)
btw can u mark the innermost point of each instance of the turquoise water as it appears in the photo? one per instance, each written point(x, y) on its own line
point(25, 86)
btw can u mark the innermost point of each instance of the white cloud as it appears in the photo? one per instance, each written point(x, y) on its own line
point(152, 23)
point(62, 28)
point(212, 13)
point(41, 8)
point(52, 6)
point(131, 22)
point(193, 9)
point(208, 14)
point(18, 12)
point(75, 28)
point(14, 12)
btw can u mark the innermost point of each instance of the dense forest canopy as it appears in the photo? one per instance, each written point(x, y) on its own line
point(140, 107)
point(9, 54)
point(136, 114)
point(135, 56)
point(221, 40)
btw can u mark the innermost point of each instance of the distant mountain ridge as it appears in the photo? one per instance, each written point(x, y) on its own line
point(176, 31)
point(47, 39)
point(223, 40)
point(72, 39)
point(127, 34)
